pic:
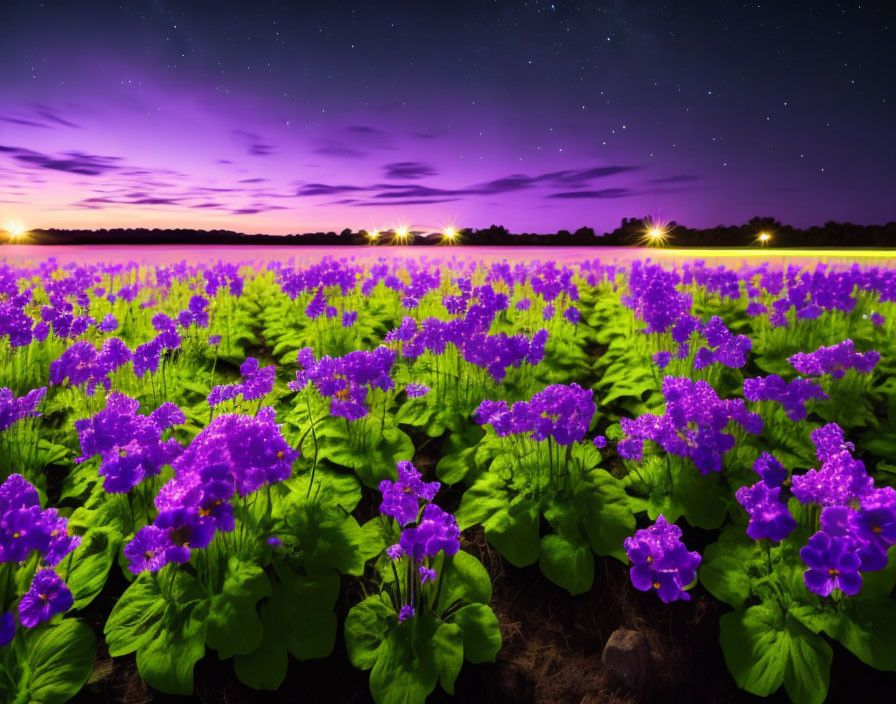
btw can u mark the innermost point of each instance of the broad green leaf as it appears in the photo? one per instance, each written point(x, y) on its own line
point(464, 578)
point(90, 564)
point(808, 671)
point(567, 562)
point(606, 513)
point(234, 627)
point(723, 570)
point(513, 531)
point(756, 648)
point(481, 632)
point(162, 616)
point(59, 662)
point(366, 626)
point(302, 607)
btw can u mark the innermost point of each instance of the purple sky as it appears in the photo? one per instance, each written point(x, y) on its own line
point(538, 116)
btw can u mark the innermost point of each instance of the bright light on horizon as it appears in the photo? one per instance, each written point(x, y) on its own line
point(16, 229)
point(449, 234)
point(656, 233)
point(401, 232)
point(764, 237)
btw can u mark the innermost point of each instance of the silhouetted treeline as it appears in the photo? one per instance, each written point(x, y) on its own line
point(630, 233)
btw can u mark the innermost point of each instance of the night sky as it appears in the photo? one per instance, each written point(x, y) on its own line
point(291, 117)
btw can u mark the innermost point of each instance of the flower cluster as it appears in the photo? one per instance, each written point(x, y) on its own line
point(654, 298)
point(560, 412)
point(793, 395)
point(24, 530)
point(257, 382)
point(769, 517)
point(346, 380)
point(661, 562)
point(129, 444)
point(692, 426)
point(834, 360)
point(424, 534)
point(13, 409)
point(83, 364)
point(723, 347)
point(858, 521)
point(234, 455)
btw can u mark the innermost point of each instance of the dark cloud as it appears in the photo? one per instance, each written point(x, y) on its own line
point(321, 189)
point(73, 162)
point(586, 175)
point(422, 201)
point(603, 193)
point(20, 121)
point(253, 144)
point(52, 115)
point(409, 170)
point(254, 180)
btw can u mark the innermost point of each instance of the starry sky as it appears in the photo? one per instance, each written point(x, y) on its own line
point(283, 117)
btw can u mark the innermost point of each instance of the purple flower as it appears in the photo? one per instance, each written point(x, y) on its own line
point(235, 453)
point(600, 442)
point(146, 551)
point(7, 628)
point(129, 444)
point(792, 396)
point(47, 596)
point(395, 552)
point(13, 409)
point(841, 479)
point(572, 315)
point(24, 528)
point(692, 426)
point(662, 359)
point(560, 412)
point(256, 383)
point(770, 470)
point(214, 340)
point(769, 517)
point(436, 531)
point(833, 564)
point(108, 324)
point(275, 542)
point(346, 380)
point(426, 574)
point(406, 612)
point(401, 499)
point(416, 390)
point(661, 562)
point(834, 360)
point(877, 319)
point(349, 318)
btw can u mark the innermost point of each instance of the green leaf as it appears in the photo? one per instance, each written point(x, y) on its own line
point(486, 496)
point(90, 564)
point(234, 627)
point(366, 627)
point(723, 570)
point(481, 632)
point(412, 659)
point(164, 620)
point(59, 662)
point(865, 627)
point(329, 538)
point(567, 562)
point(448, 654)
point(331, 487)
point(764, 649)
point(606, 513)
point(302, 608)
point(464, 578)
point(808, 671)
point(755, 648)
point(513, 531)
point(265, 667)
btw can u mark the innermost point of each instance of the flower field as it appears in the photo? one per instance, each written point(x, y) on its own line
point(353, 466)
